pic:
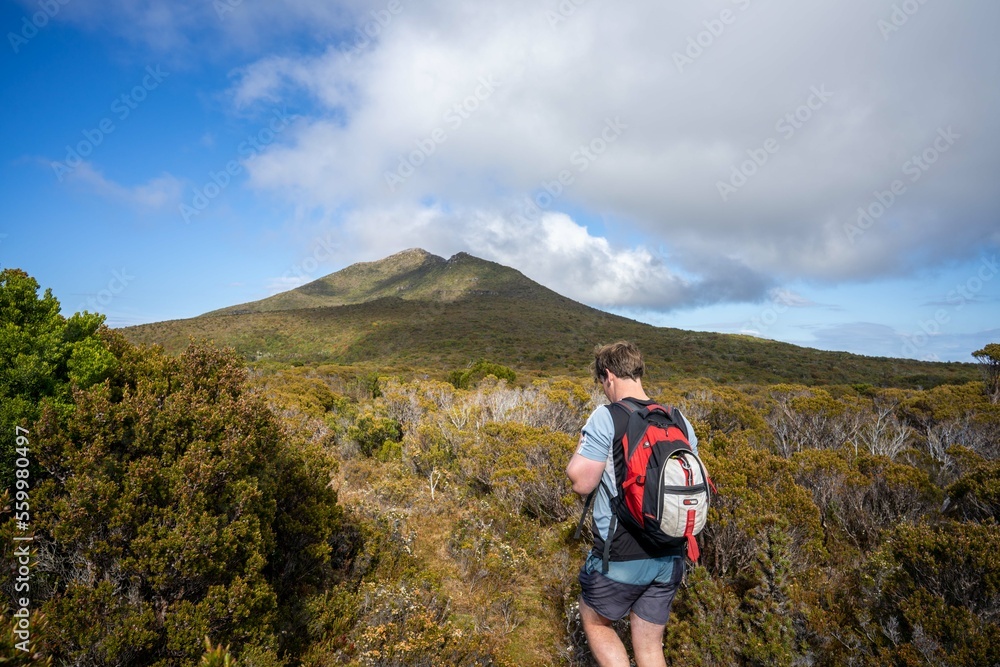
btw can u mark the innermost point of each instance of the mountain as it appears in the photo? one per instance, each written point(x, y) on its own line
point(419, 310)
point(411, 275)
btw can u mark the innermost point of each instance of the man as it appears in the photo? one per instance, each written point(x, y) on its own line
point(640, 581)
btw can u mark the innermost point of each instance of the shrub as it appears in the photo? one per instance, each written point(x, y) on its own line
point(564, 405)
point(896, 493)
point(838, 489)
point(407, 625)
point(802, 418)
point(757, 495)
point(731, 411)
point(704, 623)
point(375, 434)
point(429, 448)
point(879, 429)
point(975, 496)
point(173, 509)
point(524, 467)
point(385, 612)
point(484, 558)
point(309, 395)
point(931, 594)
point(469, 377)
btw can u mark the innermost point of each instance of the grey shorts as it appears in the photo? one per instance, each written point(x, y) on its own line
point(613, 599)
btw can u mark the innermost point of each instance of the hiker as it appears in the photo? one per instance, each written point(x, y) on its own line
point(639, 580)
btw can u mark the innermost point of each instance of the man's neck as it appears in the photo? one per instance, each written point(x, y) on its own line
point(629, 389)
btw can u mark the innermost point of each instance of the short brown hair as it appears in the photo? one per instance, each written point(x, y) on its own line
point(622, 358)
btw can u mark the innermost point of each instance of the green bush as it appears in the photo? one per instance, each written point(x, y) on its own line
point(975, 496)
point(934, 594)
point(469, 377)
point(376, 434)
point(757, 498)
point(429, 449)
point(704, 623)
point(173, 509)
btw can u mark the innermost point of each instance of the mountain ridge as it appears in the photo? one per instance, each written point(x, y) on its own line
point(412, 274)
point(417, 310)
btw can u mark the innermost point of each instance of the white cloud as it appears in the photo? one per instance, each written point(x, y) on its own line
point(159, 193)
point(838, 110)
point(553, 250)
point(881, 105)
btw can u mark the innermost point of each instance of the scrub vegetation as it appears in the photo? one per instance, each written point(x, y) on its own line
point(196, 508)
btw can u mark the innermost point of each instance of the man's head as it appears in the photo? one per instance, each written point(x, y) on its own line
point(623, 359)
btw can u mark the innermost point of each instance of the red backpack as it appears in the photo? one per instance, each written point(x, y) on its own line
point(663, 489)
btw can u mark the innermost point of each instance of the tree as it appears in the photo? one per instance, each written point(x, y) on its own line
point(989, 360)
point(42, 356)
point(172, 507)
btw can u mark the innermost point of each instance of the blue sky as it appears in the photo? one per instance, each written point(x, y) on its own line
point(818, 174)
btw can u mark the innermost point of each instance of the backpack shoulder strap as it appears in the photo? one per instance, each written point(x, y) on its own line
point(630, 405)
point(605, 557)
point(630, 426)
point(583, 515)
point(679, 421)
point(620, 414)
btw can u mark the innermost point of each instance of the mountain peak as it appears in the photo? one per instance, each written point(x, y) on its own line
point(413, 274)
point(411, 254)
point(401, 261)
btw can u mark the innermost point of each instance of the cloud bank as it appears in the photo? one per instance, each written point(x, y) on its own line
point(658, 155)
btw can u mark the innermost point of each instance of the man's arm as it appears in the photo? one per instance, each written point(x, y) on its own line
point(584, 473)
point(692, 436)
point(587, 465)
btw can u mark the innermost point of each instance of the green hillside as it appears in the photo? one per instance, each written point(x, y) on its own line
point(418, 310)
